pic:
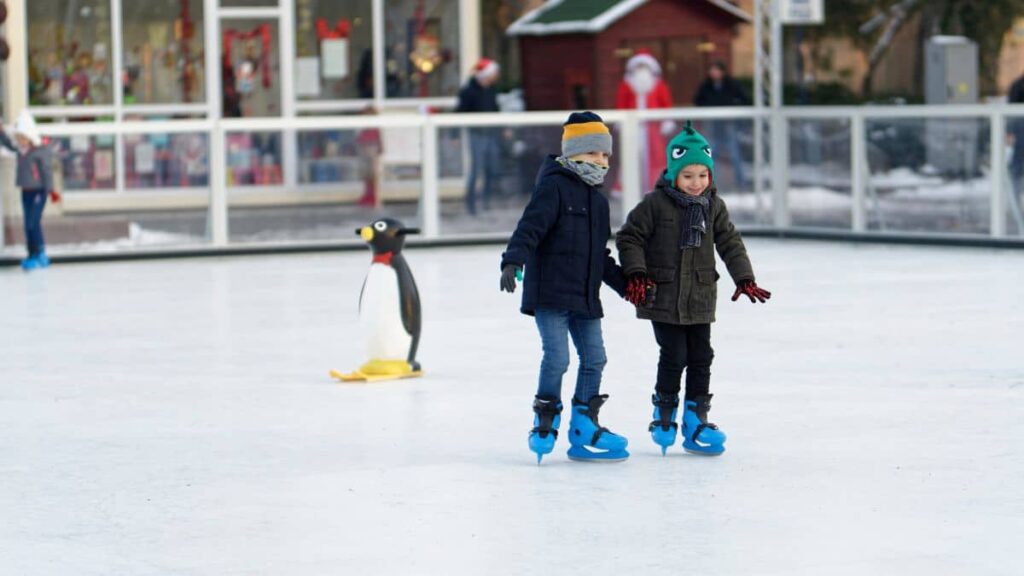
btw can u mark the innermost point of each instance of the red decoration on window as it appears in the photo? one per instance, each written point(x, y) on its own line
point(263, 31)
point(341, 29)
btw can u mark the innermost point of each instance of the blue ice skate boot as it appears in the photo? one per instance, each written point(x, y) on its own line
point(547, 416)
point(42, 260)
point(700, 436)
point(30, 263)
point(589, 440)
point(664, 427)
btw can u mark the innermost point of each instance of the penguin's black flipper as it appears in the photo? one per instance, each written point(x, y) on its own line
point(410, 302)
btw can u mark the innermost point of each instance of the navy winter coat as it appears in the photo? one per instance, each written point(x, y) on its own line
point(562, 239)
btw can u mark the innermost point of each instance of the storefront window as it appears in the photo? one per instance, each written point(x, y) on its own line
point(163, 52)
point(69, 52)
point(422, 40)
point(334, 49)
point(86, 162)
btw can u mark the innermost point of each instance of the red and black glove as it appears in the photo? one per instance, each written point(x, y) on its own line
point(54, 196)
point(749, 287)
point(640, 290)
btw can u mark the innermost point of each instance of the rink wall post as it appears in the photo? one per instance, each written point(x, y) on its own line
point(430, 200)
point(217, 220)
point(629, 140)
point(997, 172)
point(780, 169)
point(858, 173)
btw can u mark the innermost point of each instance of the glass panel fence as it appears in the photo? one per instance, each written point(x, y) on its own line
point(819, 192)
point(345, 180)
point(928, 175)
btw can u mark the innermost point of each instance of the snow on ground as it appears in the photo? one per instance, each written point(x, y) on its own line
point(175, 417)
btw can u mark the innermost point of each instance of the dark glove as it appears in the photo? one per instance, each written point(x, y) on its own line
point(508, 278)
point(749, 287)
point(640, 290)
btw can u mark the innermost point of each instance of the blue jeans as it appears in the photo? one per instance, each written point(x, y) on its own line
point(554, 326)
point(32, 204)
point(484, 158)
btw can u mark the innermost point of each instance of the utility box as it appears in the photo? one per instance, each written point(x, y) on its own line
point(951, 77)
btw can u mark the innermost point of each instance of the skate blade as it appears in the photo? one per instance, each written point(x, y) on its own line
point(582, 454)
point(701, 451)
point(358, 376)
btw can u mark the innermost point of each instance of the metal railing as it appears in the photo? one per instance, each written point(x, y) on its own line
point(627, 128)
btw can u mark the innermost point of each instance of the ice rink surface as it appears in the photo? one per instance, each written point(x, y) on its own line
point(175, 417)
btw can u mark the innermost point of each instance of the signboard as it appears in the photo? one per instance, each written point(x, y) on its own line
point(802, 11)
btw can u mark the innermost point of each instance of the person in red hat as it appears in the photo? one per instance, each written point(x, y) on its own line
point(643, 88)
point(478, 95)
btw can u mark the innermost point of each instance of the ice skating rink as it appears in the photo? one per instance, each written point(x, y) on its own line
point(175, 417)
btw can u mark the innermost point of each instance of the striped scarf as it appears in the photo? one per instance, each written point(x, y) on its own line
point(696, 208)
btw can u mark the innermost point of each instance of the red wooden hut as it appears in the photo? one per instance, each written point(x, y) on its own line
point(574, 51)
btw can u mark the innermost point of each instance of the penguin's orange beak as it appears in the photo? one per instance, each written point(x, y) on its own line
point(366, 232)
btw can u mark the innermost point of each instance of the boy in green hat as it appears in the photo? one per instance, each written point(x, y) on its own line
point(667, 250)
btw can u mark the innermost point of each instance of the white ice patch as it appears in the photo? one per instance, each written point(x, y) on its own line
point(380, 316)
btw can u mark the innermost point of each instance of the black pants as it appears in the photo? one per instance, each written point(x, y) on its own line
point(684, 347)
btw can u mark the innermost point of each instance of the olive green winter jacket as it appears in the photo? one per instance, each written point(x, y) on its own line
point(686, 278)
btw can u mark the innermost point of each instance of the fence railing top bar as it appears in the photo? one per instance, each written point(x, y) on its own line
point(133, 127)
point(704, 113)
point(310, 123)
point(908, 111)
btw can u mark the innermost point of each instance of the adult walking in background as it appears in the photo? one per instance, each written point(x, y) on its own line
point(719, 89)
point(1016, 129)
point(478, 95)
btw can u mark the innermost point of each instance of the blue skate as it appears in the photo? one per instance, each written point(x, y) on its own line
point(30, 263)
point(699, 436)
point(589, 441)
point(664, 427)
point(547, 417)
point(42, 259)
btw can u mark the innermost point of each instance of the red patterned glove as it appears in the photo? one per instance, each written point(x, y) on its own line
point(54, 196)
point(640, 289)
point(749, 287)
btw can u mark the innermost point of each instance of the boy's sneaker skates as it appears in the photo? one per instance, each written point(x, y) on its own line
point(699, 435)
point(664, 426)
point(547, 416)
point(588, 439)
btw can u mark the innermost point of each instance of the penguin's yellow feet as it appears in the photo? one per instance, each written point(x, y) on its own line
point(379, 370)
point(394, 368)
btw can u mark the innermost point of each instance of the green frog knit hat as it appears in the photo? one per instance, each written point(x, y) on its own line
point(686, 148)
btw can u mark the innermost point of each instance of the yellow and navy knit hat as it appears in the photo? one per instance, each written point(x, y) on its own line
point(585, 132)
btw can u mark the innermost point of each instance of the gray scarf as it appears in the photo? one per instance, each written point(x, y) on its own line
point(591, 174)
point(695, 225)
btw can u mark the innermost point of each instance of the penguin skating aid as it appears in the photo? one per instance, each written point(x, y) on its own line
point(389, 308)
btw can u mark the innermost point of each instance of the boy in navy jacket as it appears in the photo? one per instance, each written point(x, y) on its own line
point(562, 240)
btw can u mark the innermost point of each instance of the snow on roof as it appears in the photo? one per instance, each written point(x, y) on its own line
point(589, 16)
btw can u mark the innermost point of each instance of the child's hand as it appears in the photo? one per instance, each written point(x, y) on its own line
point(640, 290)
point(54, 196)
point(508, 278)
point(749, 287)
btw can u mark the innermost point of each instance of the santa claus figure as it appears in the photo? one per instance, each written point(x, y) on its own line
point(642, 88)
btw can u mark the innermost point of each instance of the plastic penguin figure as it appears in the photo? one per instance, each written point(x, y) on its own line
point(389, 307)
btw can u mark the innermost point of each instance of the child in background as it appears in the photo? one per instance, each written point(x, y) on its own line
point(667, 250)
point(562, 240)
point(35, 178)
